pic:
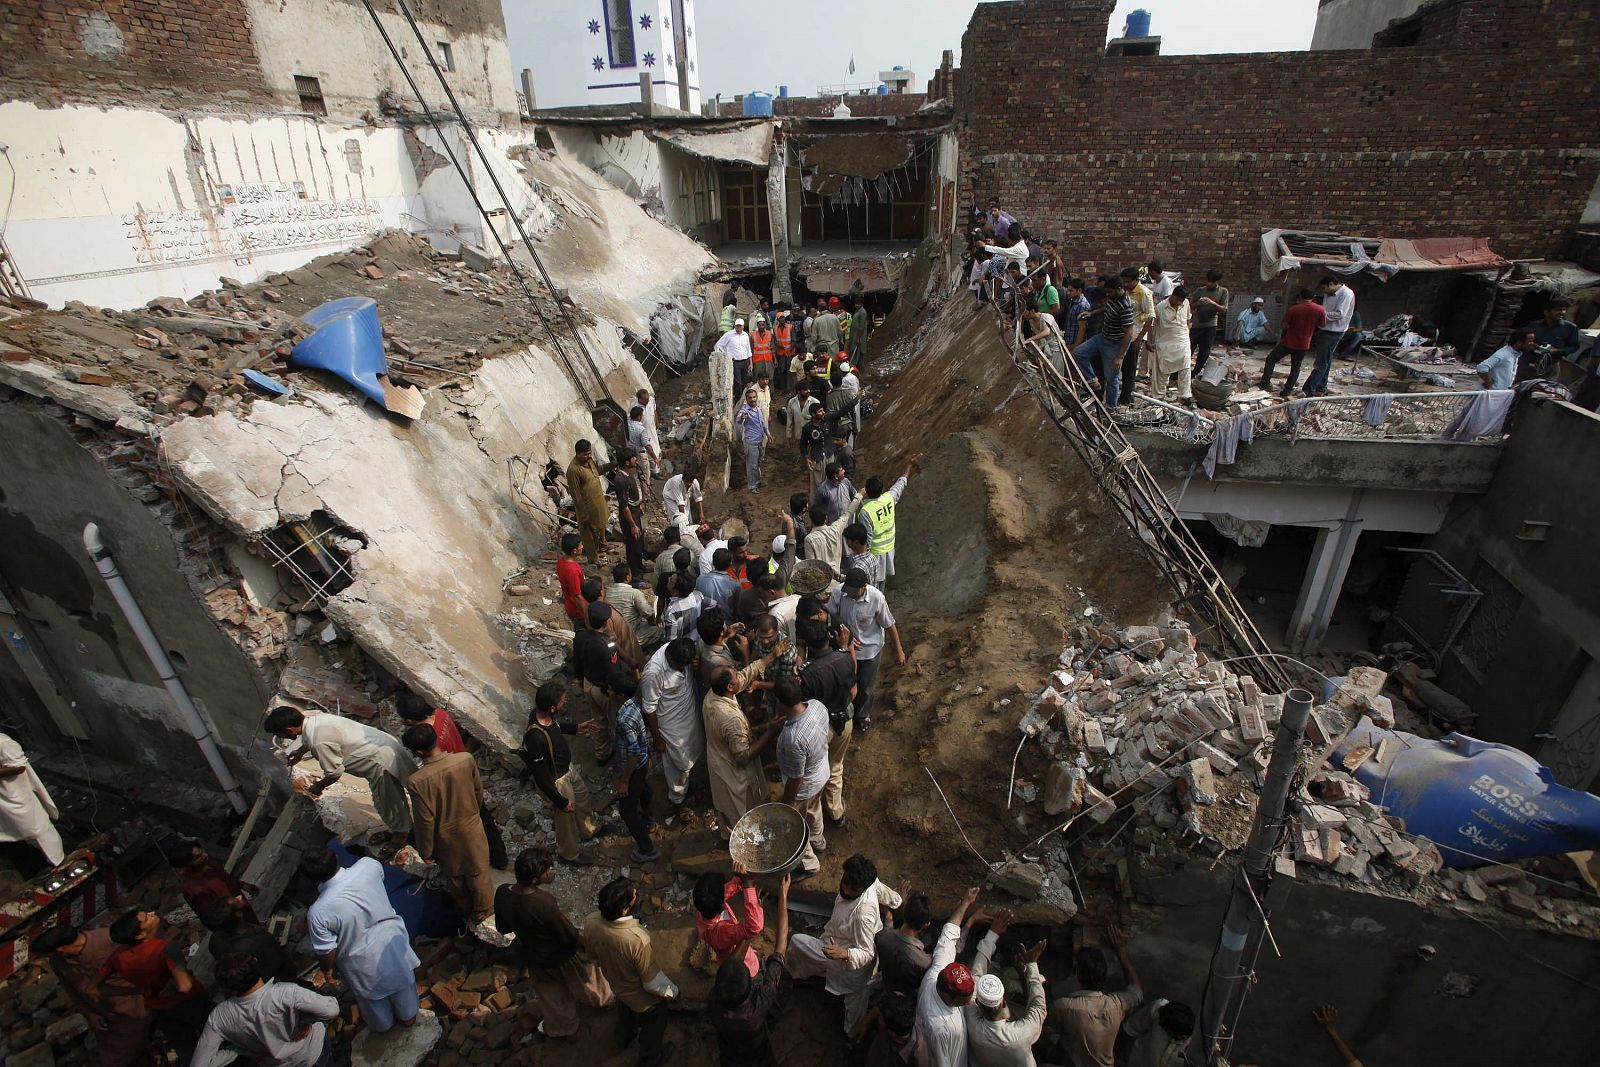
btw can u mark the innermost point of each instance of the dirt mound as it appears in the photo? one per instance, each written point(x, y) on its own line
point(1004, 540)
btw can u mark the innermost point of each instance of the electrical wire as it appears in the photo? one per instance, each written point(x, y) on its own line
point(449, 151)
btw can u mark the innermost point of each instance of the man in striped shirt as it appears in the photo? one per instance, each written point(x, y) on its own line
point(1106, 348)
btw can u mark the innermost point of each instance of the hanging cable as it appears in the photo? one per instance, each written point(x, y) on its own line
point(522, 282)
point(466, 126)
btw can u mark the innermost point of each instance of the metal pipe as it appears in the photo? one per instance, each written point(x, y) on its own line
point(181, 701)
point(1244, 921)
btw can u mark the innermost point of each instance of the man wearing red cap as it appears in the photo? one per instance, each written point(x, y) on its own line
point(826, 331)
point(946, 990)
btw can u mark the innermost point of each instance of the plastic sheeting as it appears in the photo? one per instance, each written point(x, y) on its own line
point(1480, 803)
point(679, 328)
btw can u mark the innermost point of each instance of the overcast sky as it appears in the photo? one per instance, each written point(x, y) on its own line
point(741, 49)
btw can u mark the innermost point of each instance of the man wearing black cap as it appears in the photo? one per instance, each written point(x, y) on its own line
point(865, 611)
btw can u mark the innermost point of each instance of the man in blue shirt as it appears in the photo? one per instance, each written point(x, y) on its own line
point(1500, 369)
point(753, 420)
point(1251, 326)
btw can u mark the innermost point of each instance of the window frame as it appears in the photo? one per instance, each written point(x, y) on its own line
point(612, 34)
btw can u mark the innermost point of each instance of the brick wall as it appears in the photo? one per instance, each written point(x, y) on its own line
point(1485, 130)
point(127, 51)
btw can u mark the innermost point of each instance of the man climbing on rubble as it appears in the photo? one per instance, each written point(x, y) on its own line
point(877, 515)
point(114, 1009)
point(1135, 359)
point(745, 1003)
point(735, 344)
point(356, 933)
point(672, 713)
point(652, 425)
point(1089, 1019)
point(203, 879)
point(864, 610)
point(846, 954)
point(339, 745)
point(589, 505)
point(1104, 351)
point(272, 1022)
point(994, 1038)
point(446, 795)
point(623, 949)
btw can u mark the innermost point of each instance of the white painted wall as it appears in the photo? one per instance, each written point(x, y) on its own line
point(554, 39)
point(116, 206)
point(336, 42)
point(1351, 23)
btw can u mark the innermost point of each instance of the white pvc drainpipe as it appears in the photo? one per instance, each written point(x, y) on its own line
point(181, 701)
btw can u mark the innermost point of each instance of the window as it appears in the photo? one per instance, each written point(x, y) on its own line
point(619, 32)
point(447, 59)
point(310, 92)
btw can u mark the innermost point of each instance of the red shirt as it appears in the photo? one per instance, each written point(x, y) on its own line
point(149, 969)
point(1300, 323)
point(208, 883)
point(444, 728)
point(570, 574)
point(726, 932)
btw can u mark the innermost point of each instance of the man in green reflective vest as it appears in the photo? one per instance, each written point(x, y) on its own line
point(877, 515)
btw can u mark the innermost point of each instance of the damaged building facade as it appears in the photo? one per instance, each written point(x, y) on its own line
point(188, 184)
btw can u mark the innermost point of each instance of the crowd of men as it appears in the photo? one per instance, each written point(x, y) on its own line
point(1139, 325)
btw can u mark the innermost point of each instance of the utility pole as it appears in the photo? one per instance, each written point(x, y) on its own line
point(1244, 923)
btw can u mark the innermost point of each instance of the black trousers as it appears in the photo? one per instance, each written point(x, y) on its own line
point(635, 807)
point(1200, 340)
point(1130, 371)
point(649, 1027)
point(1277, 353)
point(497, 840)
point(633, 542)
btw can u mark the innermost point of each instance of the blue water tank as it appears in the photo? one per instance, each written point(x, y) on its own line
point(883, 90)
point(758, 105)
point(783, 92)
point(1138, 24)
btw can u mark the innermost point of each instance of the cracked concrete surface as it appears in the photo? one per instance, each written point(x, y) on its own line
point(433, 501)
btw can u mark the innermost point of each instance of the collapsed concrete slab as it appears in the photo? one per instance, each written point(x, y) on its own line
point(428, 565)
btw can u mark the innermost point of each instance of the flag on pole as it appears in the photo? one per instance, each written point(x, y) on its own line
point(852, 64)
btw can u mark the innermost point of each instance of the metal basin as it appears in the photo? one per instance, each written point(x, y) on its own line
point(811, 577)
point(769, 839)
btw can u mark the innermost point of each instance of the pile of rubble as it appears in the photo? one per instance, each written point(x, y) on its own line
point(441, 314)
point(1143, 724)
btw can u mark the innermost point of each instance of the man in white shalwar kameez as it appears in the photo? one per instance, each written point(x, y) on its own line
point(343, 745)
point(25, 805)
point(1170, 334)
point(672, 712)
point(356, 932)
point(847, 952)
point(946, 990)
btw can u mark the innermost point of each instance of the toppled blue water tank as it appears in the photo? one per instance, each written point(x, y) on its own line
point(346, 340)
point(1479, 802)
point(758, 105)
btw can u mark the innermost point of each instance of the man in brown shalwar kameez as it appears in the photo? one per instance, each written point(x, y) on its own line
point(446, 795)
point(733, 750)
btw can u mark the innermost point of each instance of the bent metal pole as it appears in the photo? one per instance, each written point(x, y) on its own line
point(1244, 922)
point(181, 701)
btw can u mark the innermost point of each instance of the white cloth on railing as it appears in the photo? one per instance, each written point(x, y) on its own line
point(1225, 442)
point(1484, 414)
point(1376, 409)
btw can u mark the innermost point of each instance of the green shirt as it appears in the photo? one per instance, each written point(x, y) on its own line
point(1048, 299)
point(1205, 314)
